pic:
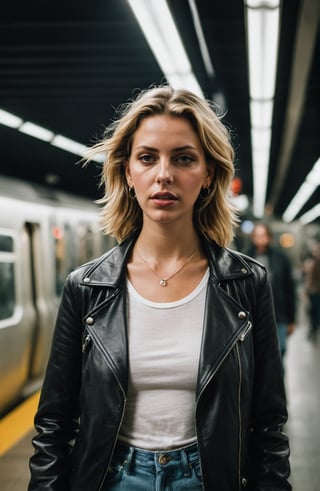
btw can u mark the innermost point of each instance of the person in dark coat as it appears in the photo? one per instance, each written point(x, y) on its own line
point(279, 269)
point(312, 290)
point(165, 370)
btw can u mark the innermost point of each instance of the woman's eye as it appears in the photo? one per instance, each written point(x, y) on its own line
point(146, 158)
point(185, 159)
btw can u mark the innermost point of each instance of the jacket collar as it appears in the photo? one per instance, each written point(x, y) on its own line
point(109, 269)
point(225, 264)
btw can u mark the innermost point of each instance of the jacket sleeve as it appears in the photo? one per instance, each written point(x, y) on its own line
point(270, 447)
point(56, 420)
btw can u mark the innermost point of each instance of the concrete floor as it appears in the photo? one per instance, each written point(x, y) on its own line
point(303, 428)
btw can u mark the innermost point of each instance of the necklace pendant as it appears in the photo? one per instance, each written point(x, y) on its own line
point(163, 283)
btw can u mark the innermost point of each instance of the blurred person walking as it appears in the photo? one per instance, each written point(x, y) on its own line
point(312, 289)
point(279, 269)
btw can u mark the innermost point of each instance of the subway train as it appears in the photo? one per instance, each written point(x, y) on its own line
point(44, 234)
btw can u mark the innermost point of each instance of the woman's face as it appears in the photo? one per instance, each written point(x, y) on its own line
point(261, 238)
point(167, 168)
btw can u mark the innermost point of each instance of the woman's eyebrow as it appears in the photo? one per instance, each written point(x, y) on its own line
point(176, 149)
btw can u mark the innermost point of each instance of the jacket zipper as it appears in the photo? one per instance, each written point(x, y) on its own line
point(101, 348)
point(245, 331)
point(239, 416)
point(86, 342)
point(123, 410)
point(197, 402)
point(84, 346)
point(241, 338)
point(113, 447)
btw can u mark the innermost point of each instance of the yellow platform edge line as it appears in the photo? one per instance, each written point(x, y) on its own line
point(18, 423)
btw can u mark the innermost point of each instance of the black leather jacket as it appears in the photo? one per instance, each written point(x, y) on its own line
point(240, 401)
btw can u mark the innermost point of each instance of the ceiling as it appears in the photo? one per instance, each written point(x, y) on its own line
point(66, 66)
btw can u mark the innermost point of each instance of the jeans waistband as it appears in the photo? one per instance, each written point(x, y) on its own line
point(185, 455)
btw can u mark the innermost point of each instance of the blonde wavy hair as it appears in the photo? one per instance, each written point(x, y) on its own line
point(214, 214)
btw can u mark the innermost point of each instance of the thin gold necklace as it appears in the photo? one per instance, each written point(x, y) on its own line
point(164, 281)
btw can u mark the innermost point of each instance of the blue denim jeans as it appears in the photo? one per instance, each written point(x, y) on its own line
point(135, 469)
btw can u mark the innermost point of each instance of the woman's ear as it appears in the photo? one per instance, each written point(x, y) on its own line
point(210, 174)
point(128, 174)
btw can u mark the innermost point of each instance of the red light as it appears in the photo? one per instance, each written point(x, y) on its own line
point(236, 185)
point(57, 233)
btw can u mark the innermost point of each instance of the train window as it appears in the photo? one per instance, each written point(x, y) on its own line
point(85, 244)
point(7, 290)
point(6, 243)
point(7, 283)
point(64, 254)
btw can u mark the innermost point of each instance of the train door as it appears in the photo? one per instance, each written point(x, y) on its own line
point(41, 267)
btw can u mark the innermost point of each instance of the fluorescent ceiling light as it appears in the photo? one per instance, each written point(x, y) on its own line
point(36, 131)
point(263, 44)
point(202, 42)
point(159, 29)
point(9, 119)
point(44, 134)
point(261, 139)
point(69, 145)
point(74, 147)
point(261, 113)
point(306, 190)
point(262, 3)
point(260, 176)
point(310, 215)
point(262, 35)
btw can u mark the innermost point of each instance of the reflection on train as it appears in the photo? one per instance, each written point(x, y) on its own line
point(43, 236)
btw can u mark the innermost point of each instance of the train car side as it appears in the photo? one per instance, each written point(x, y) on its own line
point(40, 242)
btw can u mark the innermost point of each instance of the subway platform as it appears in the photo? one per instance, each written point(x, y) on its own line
point(303, 391)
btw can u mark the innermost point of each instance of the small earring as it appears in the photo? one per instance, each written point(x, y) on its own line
point(204, 193)
point(131, 192)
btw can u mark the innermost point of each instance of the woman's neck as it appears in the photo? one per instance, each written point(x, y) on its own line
point(167, 243)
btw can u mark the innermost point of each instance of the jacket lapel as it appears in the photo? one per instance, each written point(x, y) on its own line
point(106, 318)
point(224, 317)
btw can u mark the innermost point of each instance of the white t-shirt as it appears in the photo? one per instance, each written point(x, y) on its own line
point(164, 350)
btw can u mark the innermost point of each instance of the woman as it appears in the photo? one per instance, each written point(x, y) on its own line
point(165, 371)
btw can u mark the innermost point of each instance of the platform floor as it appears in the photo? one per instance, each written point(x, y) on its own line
point(303, 392)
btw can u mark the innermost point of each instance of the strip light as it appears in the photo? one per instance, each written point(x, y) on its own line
point(68, 145)
point(160, 31)
point(306, 190)
point(310, 215)
point(201, 39)
point(36, 131)
point(263, 33)
point(9, 119)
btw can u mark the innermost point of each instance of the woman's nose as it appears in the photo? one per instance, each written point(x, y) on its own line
point(164, 171)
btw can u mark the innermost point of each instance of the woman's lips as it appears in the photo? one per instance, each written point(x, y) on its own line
point(164, 198)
